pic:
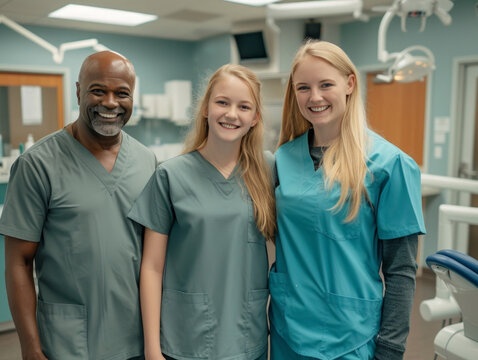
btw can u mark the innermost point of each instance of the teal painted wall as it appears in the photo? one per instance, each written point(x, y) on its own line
point(447, 43)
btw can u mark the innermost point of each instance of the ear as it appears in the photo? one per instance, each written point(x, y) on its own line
point(78, 92)
point(351, 81)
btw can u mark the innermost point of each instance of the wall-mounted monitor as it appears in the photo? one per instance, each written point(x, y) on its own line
point(251, 47)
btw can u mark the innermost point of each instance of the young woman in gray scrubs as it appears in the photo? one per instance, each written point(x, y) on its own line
point(207, 215)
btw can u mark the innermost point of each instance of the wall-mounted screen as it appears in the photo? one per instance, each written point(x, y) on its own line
point(251, 46)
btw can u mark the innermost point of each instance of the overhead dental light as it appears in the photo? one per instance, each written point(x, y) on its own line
point(407, 66)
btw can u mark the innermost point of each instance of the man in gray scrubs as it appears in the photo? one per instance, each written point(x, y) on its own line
point(65, 208)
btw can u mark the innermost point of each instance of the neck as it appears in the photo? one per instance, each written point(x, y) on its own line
point(325, 135)
point(223, 158)
point(93, 141)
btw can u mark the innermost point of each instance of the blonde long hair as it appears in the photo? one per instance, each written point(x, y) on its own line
point(254, 168)
point(345, 159)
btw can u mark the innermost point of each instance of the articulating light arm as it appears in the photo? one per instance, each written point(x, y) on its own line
point(58, 53)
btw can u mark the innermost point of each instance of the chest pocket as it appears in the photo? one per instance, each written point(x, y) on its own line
point(331, 223)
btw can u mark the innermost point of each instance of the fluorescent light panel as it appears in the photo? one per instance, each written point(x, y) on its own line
point(253, 2)
point(101, 15)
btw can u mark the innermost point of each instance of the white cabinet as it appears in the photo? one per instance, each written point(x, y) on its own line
point(179, 93)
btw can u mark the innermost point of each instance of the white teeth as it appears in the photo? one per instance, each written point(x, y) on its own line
point(319, 108)
point(108, 116)
point(229, 126)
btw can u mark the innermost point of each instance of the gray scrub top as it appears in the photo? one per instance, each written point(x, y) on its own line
point(89, 252)
point(215, 277)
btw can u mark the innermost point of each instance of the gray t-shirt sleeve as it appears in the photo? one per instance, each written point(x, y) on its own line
point(26, 202)
point(399, 268)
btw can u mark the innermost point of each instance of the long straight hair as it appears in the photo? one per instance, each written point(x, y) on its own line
point(345, 159)
point(254, 168)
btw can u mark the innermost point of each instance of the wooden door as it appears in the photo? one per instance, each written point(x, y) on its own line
point(396, 111)
point(14, 131)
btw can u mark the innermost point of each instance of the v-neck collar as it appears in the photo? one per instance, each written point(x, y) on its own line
point(225, 186)
point(308, 163)
point(215, 173)
point(109, 179)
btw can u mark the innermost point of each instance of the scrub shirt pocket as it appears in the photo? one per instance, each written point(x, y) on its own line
point(257, 329)
point(63, 330)
point(333, 227)
point(186, 324)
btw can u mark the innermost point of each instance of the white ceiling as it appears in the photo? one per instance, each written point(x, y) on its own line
point(177, 19)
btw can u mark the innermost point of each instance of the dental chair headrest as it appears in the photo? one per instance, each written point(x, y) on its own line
point(460, 263)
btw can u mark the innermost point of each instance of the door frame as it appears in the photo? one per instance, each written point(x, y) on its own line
point(65, 72)
point(458, 121)
point(456, 109)
point(363, 70)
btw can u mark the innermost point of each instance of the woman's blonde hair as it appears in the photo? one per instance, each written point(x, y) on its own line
point(345, 159)
point(254, 168)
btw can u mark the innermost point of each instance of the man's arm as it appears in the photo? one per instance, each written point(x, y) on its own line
point(19, 256)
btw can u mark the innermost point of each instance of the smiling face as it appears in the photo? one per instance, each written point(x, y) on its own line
point(231, 110)
point(105, 93)
point(321, 91)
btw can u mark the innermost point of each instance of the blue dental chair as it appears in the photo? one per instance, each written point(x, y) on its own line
point(460, 274)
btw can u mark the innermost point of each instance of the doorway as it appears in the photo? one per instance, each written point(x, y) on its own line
point(30, 103)
point(396, 111)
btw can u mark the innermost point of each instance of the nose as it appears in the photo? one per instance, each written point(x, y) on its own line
point(315, 94)
point(109, 100)
point(231, 112)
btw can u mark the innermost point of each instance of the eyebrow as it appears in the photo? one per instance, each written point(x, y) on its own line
point(228, 98)
point(103, 86)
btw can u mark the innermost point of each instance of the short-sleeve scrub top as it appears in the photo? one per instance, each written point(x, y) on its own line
point(215, 278)
point(326, 291)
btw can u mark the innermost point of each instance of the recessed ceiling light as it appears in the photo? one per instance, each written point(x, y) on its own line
point(101, 15)
point(253, 2)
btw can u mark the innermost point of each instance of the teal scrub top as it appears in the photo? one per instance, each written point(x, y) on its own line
point(89, 252)
point(215, 276)
point(326, 292)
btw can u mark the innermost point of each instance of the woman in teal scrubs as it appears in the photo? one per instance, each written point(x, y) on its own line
point(208, 213)
point(348, 204)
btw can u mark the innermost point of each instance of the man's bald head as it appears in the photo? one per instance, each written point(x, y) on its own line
point(104, 60)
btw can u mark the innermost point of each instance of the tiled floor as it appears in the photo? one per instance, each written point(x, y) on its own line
point(420, 340)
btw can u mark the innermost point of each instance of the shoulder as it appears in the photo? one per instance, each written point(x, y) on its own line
point(292, 144)
point(386, 160)
point(178, 164)
point(383, 155)
point(138, 147)
point(46, 149)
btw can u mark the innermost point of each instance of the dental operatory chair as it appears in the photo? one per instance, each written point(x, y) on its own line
point(460, 274)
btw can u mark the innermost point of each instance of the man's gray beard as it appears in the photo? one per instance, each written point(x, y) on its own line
point(105, 128)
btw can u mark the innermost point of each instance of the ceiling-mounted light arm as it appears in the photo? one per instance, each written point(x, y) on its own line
point(383, 54)
point(57, 53)
point(81, 44)
point(29, 35)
